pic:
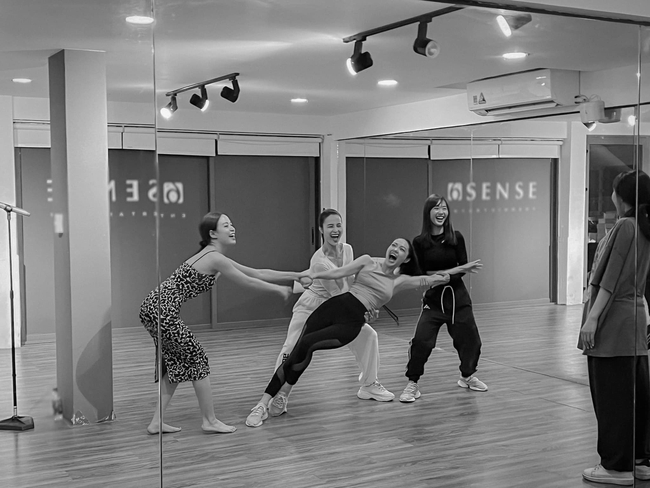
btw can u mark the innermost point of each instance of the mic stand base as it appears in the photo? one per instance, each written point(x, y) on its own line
point(17, 423)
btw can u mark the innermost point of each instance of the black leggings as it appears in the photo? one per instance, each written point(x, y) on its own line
point(335, 323)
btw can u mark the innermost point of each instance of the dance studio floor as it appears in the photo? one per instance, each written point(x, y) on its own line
point(535, 426)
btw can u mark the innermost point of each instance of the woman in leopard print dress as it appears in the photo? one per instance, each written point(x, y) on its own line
point(183, 356)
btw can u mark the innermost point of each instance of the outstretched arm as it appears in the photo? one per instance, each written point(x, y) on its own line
point(269, 275)
point(348, 270)
point(471, 267)
point(405, 282)
point(230, 269)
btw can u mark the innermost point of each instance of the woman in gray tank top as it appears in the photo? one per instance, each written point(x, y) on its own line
point(338, 320)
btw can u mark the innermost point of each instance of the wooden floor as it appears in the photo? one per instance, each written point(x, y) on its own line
point(535, 426)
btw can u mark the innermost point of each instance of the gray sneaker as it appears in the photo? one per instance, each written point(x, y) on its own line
point(375, 391)
point(473, 383)
point(259, 413)
point(278, 405)
point(410, 393)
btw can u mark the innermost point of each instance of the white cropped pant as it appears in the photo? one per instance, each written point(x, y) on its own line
point(365, 346)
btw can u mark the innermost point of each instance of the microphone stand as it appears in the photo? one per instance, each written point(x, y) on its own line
point(15, 422)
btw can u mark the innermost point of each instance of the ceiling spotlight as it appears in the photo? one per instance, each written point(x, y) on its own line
point(510, 23)
point(299, 100)
point(231, 94)
point(201, 101)
point(170, 108)
point(423, 45)
point(387, 82)
point(21, 80)
point(358, 61)
point(515, 55)
point(139, 20)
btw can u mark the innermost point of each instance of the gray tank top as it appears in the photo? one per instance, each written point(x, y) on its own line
point(372, 287)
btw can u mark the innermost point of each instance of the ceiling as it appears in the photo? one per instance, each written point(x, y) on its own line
point(285, 49)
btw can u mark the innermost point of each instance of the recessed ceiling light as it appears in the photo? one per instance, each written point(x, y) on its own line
point(21, 80)
point(139, 20)
point(299, 100)
point(516, 55)
point(387, 82)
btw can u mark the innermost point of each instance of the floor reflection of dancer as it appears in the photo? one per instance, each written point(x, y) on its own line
point(440, 249)
point(338, 320)
point(331, 255)
point(183, 356)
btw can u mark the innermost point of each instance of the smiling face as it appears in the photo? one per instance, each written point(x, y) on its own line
point(332, 230)
point(397, 253)
point(439, 214)
point(224, 233)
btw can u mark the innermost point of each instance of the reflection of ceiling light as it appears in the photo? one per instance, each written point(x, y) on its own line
point(515, 55)
point(631, 120)
point(510, 23)
point(139, 20)
point(168, 110)
point(359, 60)
point(298, 100)
point(231, 94)
point(590, 125)
point(21, 80)
point(387, 82)
point(201, 101)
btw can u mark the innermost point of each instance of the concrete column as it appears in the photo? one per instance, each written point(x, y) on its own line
point(79, 154)
point(572, 215)
point(333, 179)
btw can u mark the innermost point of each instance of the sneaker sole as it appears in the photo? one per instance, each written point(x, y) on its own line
point(410, 400)
point(277, 414)
point(610, 481)
point(465, 385)
point(362, 395)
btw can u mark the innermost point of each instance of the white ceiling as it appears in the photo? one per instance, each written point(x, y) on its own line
point(291, 48)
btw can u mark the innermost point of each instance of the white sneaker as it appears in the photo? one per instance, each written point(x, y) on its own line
point(410, 393)
point(278, 405)
point(473, 383)
point(259, 413)
point(598, 474)
point(374, 391)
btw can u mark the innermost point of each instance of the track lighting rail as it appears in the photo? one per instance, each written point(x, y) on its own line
point(361, 36)
point(200, 84)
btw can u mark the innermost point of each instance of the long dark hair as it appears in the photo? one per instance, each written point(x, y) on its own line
point(208, 223)
point(410, 267)
point(625, 186)
point(427, 225)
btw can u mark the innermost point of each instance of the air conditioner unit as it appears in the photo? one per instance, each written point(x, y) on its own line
point(529, 90)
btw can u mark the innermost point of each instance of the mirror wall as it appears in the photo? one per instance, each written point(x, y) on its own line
point(530, 192)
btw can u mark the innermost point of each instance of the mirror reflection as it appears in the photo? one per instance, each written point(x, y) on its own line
point(304, 338)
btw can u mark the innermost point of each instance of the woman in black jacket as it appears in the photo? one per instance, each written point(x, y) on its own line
point(440, 249)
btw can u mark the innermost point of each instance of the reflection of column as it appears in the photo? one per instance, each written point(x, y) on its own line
point(79, 155)
point(333, 175)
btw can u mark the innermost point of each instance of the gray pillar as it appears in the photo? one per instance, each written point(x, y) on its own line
point(78, 125)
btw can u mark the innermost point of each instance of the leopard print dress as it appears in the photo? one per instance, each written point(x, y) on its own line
point(183, 356)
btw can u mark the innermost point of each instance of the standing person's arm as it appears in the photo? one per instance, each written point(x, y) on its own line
point(606, 278)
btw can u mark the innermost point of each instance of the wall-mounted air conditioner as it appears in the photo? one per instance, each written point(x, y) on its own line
point(529, 90)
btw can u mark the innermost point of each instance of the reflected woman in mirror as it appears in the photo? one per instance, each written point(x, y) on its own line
point(183, 356)
point(334, 253)
point(441, 249)
point(338, 320)
point(613, 337)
